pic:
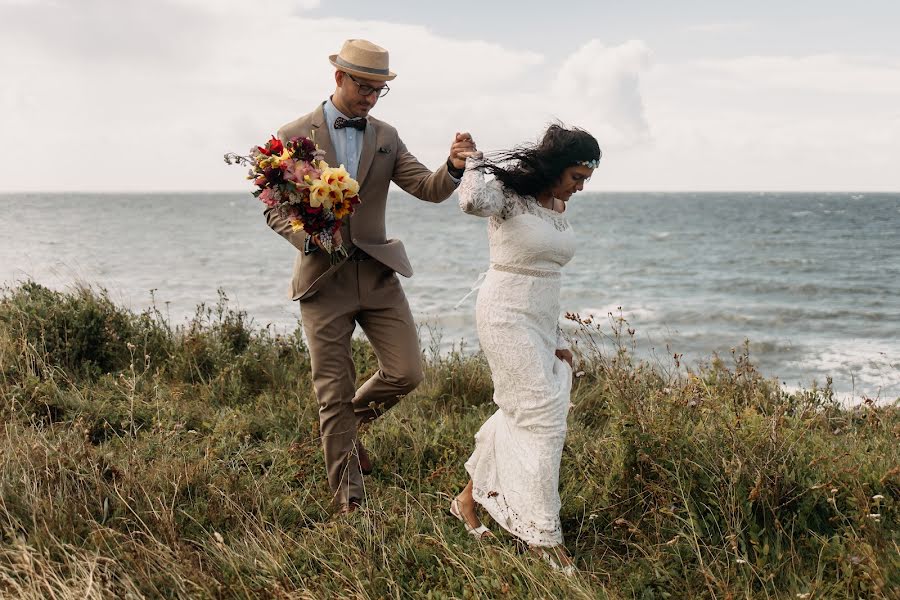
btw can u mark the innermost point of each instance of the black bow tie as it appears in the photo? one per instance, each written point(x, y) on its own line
point(357, 123)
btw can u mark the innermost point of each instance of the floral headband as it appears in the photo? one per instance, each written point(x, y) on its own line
point(591, 164)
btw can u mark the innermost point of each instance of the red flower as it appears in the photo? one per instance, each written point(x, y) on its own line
point(273, 146)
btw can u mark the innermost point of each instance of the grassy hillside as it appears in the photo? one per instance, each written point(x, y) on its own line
point(140, 459)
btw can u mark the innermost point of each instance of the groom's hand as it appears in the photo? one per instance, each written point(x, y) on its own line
point(337, 240)
point(463, 145)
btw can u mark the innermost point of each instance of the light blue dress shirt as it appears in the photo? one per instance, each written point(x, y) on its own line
point(347, 142)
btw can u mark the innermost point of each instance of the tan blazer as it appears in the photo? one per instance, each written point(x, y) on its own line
point(384, 158)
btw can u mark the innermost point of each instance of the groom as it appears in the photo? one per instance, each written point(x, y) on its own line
point(364, 288)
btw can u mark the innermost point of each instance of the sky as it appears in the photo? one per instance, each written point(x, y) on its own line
point(147, 95)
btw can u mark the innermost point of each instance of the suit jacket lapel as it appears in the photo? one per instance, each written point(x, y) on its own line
point(322, 135)
point(367, 154)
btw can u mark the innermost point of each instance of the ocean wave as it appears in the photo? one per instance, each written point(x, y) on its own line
point(630, 314)
point(865, 367)
point(825, 289)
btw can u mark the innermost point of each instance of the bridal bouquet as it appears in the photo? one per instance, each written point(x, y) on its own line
point(294, 179)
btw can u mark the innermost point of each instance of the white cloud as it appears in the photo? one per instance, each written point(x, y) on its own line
point(719, 27)
point(162, 112)
point(271, 8)
point(804, 123)
point(139, 98)
point(600, 85)
point(823, 73)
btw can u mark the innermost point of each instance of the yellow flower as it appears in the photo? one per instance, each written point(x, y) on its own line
point(334, 197)
point(339, 178)
point(296, 224)
point(341, 209)
point(319, 193)
point(270, 162)
point(352, 189)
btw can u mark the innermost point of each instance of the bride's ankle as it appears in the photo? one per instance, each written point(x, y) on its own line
point(558, 553)
point(465, 502)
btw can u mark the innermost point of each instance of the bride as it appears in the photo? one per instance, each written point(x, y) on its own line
point(514, 467)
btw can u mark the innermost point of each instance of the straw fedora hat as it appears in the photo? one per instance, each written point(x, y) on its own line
point(363, 59)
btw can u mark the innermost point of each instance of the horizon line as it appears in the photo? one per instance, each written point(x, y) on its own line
point(605, 191)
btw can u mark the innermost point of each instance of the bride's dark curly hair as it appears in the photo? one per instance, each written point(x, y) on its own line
point(531, 169)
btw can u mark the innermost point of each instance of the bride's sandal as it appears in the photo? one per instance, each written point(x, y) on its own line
point(479, 533)
point(551, 557)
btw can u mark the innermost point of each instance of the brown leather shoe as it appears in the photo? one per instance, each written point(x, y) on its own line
point(365, 464)
point(349, 507)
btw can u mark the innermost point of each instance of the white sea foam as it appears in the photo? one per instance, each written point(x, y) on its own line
point(632, 314)
point(751, 270)
point(859, 367)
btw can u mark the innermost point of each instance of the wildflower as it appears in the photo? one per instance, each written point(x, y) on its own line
point(741, 561)
point(270, 197)
point(293, 177)
point(877, 497)
point(273, 146)
point(318, 194)
point(875, 517)
point(301, 171)
point(338, 179)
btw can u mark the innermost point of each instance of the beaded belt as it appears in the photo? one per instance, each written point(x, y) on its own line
point(524, 271)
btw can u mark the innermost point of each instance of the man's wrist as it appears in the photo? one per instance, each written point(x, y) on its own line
point(453, 170)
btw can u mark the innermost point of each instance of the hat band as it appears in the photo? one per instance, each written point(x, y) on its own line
point(343, 63)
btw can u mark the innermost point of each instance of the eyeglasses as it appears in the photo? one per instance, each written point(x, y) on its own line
point(366, 90)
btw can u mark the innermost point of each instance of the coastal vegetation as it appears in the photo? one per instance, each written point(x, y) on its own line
point(143, 458)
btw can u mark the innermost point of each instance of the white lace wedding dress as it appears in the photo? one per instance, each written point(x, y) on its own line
point(515, 464)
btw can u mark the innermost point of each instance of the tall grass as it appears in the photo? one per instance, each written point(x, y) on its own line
point(143, 459)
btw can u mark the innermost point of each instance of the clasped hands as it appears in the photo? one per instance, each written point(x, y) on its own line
point(463, 147)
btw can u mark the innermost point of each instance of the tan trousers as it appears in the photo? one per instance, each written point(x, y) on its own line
point(368, 293)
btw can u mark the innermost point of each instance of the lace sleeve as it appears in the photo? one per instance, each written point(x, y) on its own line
point(478, 197)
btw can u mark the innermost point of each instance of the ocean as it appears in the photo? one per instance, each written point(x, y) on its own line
point(812, 280)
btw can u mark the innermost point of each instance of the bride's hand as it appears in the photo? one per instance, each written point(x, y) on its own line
point(462, 145)
point(566, 355)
